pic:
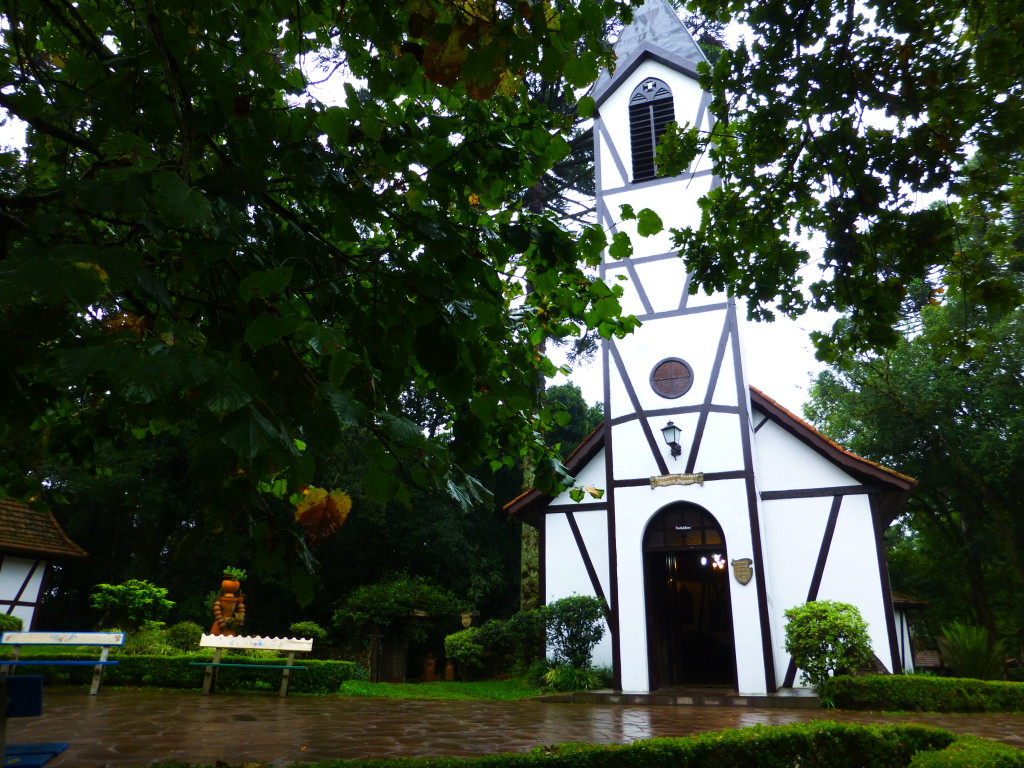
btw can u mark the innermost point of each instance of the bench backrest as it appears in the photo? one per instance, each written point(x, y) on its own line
point(263, 643)
point(62, 638)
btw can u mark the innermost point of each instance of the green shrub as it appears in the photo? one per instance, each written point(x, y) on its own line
point(398, 601)
point(808, 745)
point(525, 634)
point(149, 641)
point(827, 638)
point(310, 630)
point(10, 623)
point(574, 626)
point(509, 646)
point(184, 636)
point(466, 650)
point(918, 693)
point(133, 604)
point(970, 752)
point(968, 650)
point(565, 679)
point(320, 677)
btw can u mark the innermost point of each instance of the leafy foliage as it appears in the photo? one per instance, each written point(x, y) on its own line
point(466, 649)
point(309, 629)
point(970, 651)
point(574, 626)
point(9, 623)
point(185, 636)
point(196, 244)
point(133, 605)
point(498, 647)
point(565, 679)
point(826, 638)
point(231, 572)
point(842, 121)
point(399, 601)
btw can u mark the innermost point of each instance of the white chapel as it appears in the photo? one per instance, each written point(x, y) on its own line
point(721, 509)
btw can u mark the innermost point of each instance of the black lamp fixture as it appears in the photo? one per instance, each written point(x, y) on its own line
point(671, 434)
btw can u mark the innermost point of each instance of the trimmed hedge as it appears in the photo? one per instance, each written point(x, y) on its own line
point(917, 693)
point(819, 744)
point(175, 672)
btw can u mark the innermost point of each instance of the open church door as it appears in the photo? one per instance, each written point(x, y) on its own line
point(689, 613)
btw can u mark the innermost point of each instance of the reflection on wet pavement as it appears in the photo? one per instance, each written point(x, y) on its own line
point(126, 727)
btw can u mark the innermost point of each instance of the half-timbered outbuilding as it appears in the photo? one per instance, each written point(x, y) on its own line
point(722, 509)
point(29, 540)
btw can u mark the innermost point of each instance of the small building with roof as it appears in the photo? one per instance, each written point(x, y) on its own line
point(30, 539)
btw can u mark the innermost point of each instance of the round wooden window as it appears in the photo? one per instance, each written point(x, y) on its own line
point(672, 378)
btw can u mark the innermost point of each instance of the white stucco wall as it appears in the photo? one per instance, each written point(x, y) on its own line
point(565, 570)
point(13, 573)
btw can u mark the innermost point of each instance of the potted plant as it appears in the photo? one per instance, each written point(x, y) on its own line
point(233, 578)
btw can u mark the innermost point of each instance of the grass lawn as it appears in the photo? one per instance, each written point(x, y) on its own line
point(491, 690)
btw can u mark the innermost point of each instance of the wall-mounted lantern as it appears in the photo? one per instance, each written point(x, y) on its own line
point(671, 434)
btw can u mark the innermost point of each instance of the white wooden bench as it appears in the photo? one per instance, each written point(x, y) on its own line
point(229, 642)
point(106, 640)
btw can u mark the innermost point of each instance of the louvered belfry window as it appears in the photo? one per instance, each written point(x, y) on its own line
point(650, 111)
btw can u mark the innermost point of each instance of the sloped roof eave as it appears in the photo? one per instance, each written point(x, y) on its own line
point(864, 469)
point(31, 532)
point(527, 505)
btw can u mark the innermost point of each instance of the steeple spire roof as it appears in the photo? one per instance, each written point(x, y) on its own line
point(656, 30)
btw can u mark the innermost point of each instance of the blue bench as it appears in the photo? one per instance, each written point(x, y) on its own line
point(107, 640)
point(22, 696)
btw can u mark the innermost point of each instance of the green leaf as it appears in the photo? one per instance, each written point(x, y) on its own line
point(268, 329)
point(621, 247)
point(585, 107)
point(265, 284)
point(380, 485)
point(350, 412)
point(648, 223)
point(250, 433)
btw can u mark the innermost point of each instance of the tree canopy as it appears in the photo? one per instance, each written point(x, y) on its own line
point(846, 119)
point(194, 244)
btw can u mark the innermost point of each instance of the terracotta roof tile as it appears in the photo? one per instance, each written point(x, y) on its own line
point(23, 529)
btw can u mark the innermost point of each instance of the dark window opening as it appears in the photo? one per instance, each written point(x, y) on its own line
point(650, 111)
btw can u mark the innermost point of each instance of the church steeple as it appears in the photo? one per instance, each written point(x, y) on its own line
point(656, 31)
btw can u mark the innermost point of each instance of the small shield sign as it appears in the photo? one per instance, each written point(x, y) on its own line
point(743, 570)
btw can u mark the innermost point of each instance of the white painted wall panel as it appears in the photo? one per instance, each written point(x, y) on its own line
point(566, 574)
point(13, 573)
point(632, 452)
point(787, 464)
point(657, 340)
point(852, 575)
point(793, 530)
point(721, 448)
point(663, 281)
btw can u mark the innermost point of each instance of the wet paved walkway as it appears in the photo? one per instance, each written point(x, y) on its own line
point(138, 727)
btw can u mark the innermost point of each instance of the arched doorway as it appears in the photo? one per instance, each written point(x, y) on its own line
point(689, 614)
